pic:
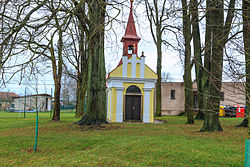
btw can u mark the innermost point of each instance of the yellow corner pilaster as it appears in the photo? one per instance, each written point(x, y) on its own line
point(113, 105)
point(151, 111)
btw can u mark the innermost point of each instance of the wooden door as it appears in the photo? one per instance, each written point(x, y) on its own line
point(133, 107)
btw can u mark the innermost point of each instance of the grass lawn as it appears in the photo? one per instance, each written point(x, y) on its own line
point(171, 144)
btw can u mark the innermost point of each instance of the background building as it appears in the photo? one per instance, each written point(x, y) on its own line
point(42, 101)
point(6, 100)
point(173, 96)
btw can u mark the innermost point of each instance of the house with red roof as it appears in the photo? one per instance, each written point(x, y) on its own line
point(6, 100)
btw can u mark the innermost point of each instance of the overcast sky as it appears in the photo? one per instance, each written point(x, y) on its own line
point(170, 59)
point(171, 62)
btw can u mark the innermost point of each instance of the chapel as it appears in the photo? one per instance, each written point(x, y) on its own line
point(131, 85)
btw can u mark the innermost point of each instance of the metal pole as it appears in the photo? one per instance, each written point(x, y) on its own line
point(247, 153)
point(24, 103)
point(36, 133)
point(20, 105)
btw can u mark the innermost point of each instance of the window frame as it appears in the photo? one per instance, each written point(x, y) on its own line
point(172, 94)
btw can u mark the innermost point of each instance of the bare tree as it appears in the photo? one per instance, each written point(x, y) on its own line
point(166, 77)
point(189, 104)
point(246, 39)
point(93, 25)
point(157, 14)
point(76, 65)
point(197, 55)
point(48, 42)
point(217, 32)
point(15, 19)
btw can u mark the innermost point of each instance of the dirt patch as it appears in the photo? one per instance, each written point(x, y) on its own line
point(158, 121)
point(101, 127)
point(31, 150)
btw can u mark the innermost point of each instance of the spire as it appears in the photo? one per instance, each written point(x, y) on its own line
point(130, 30)
point(130, 40)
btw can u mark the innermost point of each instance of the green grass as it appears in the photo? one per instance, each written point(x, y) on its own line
point(171, 144)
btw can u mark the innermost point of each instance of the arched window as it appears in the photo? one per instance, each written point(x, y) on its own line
point(133, 89)
point(130, 49)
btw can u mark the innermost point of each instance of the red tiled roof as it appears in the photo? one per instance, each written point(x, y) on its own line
point(130, 32)
point(8, 95)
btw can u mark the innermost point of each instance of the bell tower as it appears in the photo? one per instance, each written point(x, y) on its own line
point(130, 40)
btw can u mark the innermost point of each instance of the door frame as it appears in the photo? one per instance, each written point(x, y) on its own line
point(124, 106)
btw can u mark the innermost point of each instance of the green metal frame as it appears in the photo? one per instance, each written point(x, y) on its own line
point(36, 133)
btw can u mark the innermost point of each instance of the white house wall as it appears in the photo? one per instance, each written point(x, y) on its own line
point(31, 103)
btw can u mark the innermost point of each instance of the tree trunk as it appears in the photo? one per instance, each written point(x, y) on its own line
point(81, 94)
point(189, 104)
point(78, 95)
point(211, 121)
point(200, 115)
point(189, 96)
point(158, 82)
point(57, 71)
point(246, 39)
point(244, 123)
point(197, 58)
point(79, 103)
point(56, 111)
point(82, 75)
point(155, 14)
point(96, 91)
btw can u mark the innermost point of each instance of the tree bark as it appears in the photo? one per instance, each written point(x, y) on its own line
point(155, 14)
point(158, 82)
point(246, 39)
point(82, 73)
point(81, 94)
point(200, 115)
point(189, 104)
point(215, 64)
point(96, 91)
point(56, 110)
point(197, 58)
point(216, 37)
point(57, 70)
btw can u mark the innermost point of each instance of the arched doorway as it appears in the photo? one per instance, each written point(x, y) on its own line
point(133, 104)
